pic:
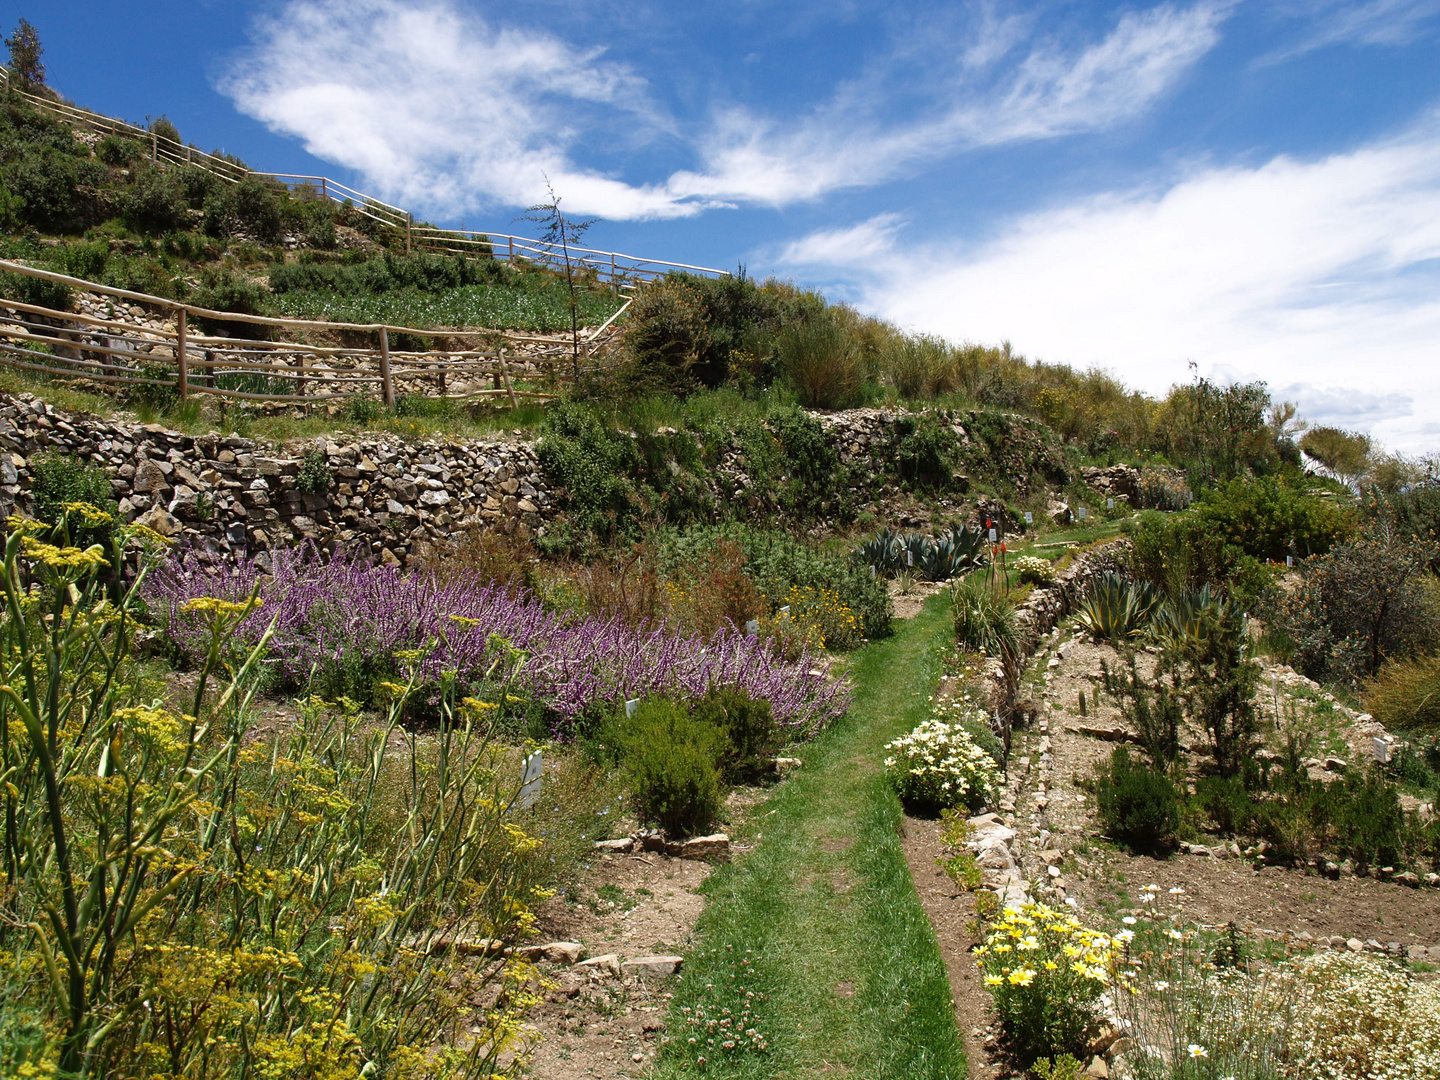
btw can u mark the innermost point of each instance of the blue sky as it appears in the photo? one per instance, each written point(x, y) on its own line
point(1251, 186)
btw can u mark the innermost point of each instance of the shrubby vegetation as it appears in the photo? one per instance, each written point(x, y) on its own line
point(165, 909)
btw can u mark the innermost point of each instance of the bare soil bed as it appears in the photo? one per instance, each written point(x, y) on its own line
point(593, 1022)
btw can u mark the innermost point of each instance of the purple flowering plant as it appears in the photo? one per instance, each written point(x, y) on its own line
point(345, 614)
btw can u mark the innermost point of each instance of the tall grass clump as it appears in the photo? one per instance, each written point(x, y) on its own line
point(822, 362)
point(189, 894)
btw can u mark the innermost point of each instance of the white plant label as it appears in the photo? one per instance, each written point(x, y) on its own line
point(631, 706)
point(530, 780)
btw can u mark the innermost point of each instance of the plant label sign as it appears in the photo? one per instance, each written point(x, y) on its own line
point(1109, 504)
point(753, 626)
point(785, 611)
point(631, 706)
point(1029, 518)
point(530, 780)
point(1080, 513)
point(994, 535)
point(1290, 561)
point(909, 558)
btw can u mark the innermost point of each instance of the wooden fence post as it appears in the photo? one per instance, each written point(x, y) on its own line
point(614, 278)
point(506, 374)
point(183, 378)
point(512, 249)
point(387, 390)
point(409, 221)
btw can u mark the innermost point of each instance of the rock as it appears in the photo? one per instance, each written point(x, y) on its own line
point(1335, 764)
point(1432, 879)
point(623, 846)
point(149, 478)
point(601, 966)
point(1417, 952)
point(653, 966)
point(1097, 1068)
point(162, 522)
point(1408, 878)
point(651, 841)
point(716, 846)
point(785, 765)
point(1354, 944)
point(563, 952)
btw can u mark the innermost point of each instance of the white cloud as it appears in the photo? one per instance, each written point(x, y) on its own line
point(1051, 92)
point(838, 246)
point(1341, 22)
point(444, 110)
point(1319, 277)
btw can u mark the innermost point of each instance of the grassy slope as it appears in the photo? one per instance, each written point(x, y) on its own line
point(852, 978)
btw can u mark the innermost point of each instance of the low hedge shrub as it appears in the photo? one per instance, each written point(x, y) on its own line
point(1138, 807)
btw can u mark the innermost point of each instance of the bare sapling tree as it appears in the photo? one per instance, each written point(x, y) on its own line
point(564, 232)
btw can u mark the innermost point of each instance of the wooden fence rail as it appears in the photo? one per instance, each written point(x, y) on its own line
point(618, 270)
point(167, 348)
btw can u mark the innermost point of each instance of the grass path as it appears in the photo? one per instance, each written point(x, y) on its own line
point(847, 976)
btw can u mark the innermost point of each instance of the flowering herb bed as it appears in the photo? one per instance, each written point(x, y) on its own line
point(343, 614)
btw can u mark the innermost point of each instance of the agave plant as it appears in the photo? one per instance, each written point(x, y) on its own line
point(884, 551)
point(1116, 609)
point(970, 546)
point(1194, 617)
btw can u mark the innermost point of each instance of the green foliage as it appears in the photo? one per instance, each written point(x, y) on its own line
point(670, 763)
point(1138, 806)
point(1115, 608)
point(314, 478)
point(364, 410)
point(58, 479)
point(250, 207)
point(777, 563)
point(25, 52)
point(223, 291)
point(1344, 454)
point(590, 466)
point(1231, 531)
point(1219, 679)
point(387, 272)
point(156, 202)
point(1362, 603)
point(925, 451)
point(751, 736)
point(84, 260)
point(121, 150)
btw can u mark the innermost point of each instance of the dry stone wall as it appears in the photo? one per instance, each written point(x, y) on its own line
point(231, 494)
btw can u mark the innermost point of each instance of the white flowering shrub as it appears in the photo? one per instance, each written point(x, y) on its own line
point(1034, 570)
point(940, 765)
point(1326, 1016)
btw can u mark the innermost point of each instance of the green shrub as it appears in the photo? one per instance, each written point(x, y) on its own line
point(670, 763)
point(1227, 803)
point(363, 410)
point(751, 735)
point(925, 451)
point(1360, 604)
point(1138, 807)
point(1151, 707)
point(85, 260)
point(314, 478)
point(224, 291)
point(120, 150)
point(57, 479)
point(156, 202)
point(821, 362)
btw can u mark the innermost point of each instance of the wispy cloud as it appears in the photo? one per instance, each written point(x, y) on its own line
point(1319, 276)
point(1344, 22)
point(1052, 90)
point(443, 109)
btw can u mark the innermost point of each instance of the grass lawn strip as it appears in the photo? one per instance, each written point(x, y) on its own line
point(846, 971)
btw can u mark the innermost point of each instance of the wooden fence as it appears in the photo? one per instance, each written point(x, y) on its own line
point(610, 267)
point(121, 338)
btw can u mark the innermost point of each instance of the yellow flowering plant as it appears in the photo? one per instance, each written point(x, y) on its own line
point(1047, 972)
point(190, 894)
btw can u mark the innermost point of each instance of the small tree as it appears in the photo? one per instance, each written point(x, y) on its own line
point(25, 52)
point(561, 230)
point(1345, 455)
